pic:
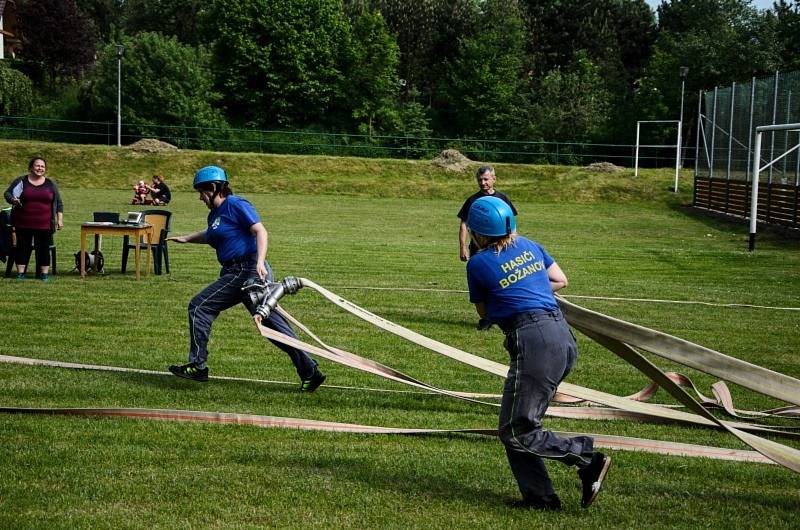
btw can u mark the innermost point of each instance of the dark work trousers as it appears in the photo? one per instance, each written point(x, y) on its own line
point(226, 292)
point(543, 351)
point(28, 240)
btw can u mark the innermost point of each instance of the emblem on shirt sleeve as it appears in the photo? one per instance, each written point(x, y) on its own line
point(215, 224)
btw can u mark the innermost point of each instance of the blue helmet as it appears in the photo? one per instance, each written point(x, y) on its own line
point(490, 216)
point(209, 174)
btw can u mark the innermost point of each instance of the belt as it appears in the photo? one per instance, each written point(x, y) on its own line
point(240, 260)
point(520, 319)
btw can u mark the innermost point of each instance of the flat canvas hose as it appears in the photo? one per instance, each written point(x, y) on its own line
point(621, 443)
point(766, 381)
point(619, 336)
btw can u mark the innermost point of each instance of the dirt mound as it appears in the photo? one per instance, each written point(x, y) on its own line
point(151, 145)
point(604, 167)
point(451, 160)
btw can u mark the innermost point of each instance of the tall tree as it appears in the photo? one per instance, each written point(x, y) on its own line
point(720, 41)
point(371, 71)
point(787, 29)
point(279, 60)
point(183, 19)
point(58, 40)
point(106, 16)
point(164, 82)
point(483, 94)
point(428, 34)
point(615, 35)
point(572, 103)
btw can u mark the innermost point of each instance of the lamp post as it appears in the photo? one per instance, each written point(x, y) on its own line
point(683, 71)
point(120, 49)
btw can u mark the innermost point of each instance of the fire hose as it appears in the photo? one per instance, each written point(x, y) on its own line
point(621, 337)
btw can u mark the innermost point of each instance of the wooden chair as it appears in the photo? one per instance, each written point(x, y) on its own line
point(161, 221)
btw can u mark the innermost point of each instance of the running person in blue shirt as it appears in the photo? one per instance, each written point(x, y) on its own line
point(236, 233)
point(511, 282)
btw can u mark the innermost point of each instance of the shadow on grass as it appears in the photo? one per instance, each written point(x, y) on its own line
point(739, 227)
point(404, 480)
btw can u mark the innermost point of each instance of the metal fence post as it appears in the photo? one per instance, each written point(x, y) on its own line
point(797, 166)
point(787, 119)
point(697, 138)
point(730, 132)
point(636, 155)
point(750, 127)
point(774, 122)
point(713, 133)
point(754, 194)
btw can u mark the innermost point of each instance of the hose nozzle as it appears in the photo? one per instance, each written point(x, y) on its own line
point(289, 285)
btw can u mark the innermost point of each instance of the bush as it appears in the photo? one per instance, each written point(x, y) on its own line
point(16, 92)
point(164, 84)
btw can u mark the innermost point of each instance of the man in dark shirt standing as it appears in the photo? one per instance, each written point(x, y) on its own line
point(486, 179)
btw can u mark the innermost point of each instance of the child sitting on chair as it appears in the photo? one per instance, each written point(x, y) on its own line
point(139, 193)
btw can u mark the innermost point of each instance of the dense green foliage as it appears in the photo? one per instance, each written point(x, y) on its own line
point(183, 19)
point(16, 92)
point(494, 69)
point(166, 82)
point(719, 40)
point(59, 40)
point(371, 85)
point(787, 32)
point(280, 62)
point(382, 234)
point(488, 96)
point(574, 103)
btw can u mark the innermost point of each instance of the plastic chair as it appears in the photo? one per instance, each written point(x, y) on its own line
point(9, 243)
point(161, 221)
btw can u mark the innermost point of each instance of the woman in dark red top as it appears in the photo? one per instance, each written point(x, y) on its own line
point(37, 213)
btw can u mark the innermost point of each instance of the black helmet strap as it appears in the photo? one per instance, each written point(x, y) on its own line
point(218, 187)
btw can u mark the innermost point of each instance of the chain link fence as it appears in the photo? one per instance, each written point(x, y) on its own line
point(728, 118)
point(726, 129)
point(322, 143)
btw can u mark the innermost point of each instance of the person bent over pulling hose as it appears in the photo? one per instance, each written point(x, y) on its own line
point(511, 282)
point(236, 233)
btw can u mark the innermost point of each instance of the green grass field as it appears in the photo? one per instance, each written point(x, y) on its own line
point(372, 231)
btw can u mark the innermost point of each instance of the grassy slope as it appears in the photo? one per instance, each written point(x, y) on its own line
point(68, 472)
point(109, 168)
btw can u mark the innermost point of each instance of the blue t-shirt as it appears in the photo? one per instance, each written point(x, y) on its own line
point(229, 228)
point(513, 281)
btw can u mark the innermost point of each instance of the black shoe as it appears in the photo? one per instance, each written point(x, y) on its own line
point(592, 477)
point(313, 382)
point(190, 371)
point(547, 502)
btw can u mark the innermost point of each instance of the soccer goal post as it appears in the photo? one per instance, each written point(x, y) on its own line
point(677, 147)
point(757, 168)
